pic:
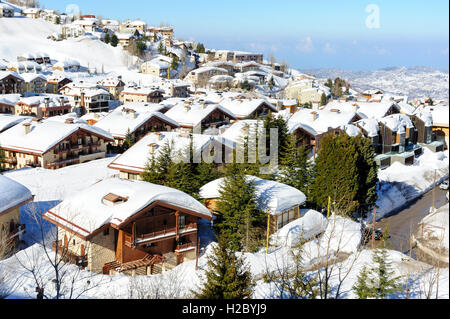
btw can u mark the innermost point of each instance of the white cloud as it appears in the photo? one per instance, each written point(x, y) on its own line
point(305, 46)
point(329, 48)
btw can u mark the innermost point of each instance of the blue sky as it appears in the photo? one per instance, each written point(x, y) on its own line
point(306, 34)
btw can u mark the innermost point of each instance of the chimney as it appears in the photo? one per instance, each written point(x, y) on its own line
point(203, 105)
point(27, 128)
point(153, 147)
point(355, 107)
point(132, 114)
point(69, 120)
point(61, 101)
point(187, 107)
point(314, 116)
point(82, 104)
point(158, 136)
point(47, 102)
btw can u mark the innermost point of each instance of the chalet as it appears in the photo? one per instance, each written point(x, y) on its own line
point(238, 56)
point(247, 66)
point(229, 66)
point(34, 82)
point(180, 90)
point(112, 25)
point(440, 115)
point(33, 13)
point(87, 97)
point(137, 94)
point(162, 31)
point(220, 82)
point(8, 102)
point(114, 85)
point(67, 66)
point(247, 108)
point(424, 136)
point(25, 67)
point(198, 115)
point(56, 81)
point(128, 227)
point(43, 106)
point(280, 201)
point(201, 76)
point(132, 164)
point(371, 93)
point(125, 121)
point(89, 25)
point(12, 197)
point(6, 11)
point(125, 38)
point(51, 144)
point(397, 139)
point(156, 67)
point(3, 65)
point(38, 57)
point(72, 30)
point(11, 83)
point(311, 126)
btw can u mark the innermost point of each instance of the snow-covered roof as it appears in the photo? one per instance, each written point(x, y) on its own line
point(111, 81)
point(440, 114)
point(9, 99)
point(425, 116)
point(12, 194)
point(4, 74)
point(7, 121)
point(140, 90)
point(135, 158)
point(374, 110)
point(272, 196)
point(208, 69)
point(397, 123)
point(325, 119)
point(43, 135)
point(243, 108)
point(124, 119)
point(370, 126)
point(242, 128)
point(89, 210)
point(28, 77)
point(193, 114)
point(351, 130)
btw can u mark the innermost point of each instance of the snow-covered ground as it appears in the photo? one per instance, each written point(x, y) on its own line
point(400, 184)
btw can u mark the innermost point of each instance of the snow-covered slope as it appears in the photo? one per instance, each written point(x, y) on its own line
point(412, 81)
point(23, 35)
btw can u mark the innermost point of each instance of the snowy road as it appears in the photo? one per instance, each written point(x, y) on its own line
point(402, 224)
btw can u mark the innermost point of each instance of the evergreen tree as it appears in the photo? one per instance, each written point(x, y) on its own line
point(240, 222)
point(174, 64)
point(367, 173)
point(58, 20)
point(227, 276)
point(161, 48)
point(205, 173)
point(181, 173)
point(157, 167)
point(323, 99)
point(329, 83)
point(280, 124)
point(336, 174)
point(128, 142)
point(379, 281)
point(295, 169)
point(107, 38)
point(114, 40)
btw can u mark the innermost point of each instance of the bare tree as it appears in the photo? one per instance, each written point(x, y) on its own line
point(50, 263)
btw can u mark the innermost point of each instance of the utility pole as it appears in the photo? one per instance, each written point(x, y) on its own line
point(373, 227)
point(268, 229)
point(434, 191)
point(198, 251)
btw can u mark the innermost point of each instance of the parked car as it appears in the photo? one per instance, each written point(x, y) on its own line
point(444, 185)
point(367, 234)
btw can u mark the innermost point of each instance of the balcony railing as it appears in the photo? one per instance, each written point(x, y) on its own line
point(184, 247)
point(166, 232)
point(10, 160)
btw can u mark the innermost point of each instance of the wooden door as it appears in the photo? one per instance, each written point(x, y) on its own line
point(83, 253)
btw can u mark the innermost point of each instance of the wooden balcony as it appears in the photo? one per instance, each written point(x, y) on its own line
point(165, 233)
point(10, 160)
point(69, 256)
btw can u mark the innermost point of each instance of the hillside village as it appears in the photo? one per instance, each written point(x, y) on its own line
point(94, 112)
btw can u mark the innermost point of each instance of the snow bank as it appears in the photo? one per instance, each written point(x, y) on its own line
point(310, 225)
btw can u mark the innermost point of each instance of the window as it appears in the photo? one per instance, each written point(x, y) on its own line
point(106, 232)
point(182, 221)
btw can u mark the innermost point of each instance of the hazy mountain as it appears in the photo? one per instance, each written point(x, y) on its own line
point(415, 81)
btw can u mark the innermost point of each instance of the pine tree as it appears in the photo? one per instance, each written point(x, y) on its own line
point(336, 174)
point(240, 222)
point(157, 167)
point(174, 64)
point(161, 48)
point(107, 38)
point(181, 175)
point(295, 169)
point(128, 142)
point(227, 276)
point(114, 40)
point(379, 281)
point(205, 173)
point(323, 99)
